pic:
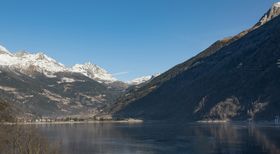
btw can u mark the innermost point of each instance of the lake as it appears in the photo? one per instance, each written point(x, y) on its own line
point(158, 138)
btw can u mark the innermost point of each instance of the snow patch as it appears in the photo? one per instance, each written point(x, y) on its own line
point(8, 89)
point(67, 80)
point(55, 97)
point(50, 75)
point(11, 90)
point(140, 80)
point(143, 79)
point(277, 4)
point(29, 96)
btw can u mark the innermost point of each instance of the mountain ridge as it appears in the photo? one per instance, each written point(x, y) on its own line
point(149, 100)
point(30, 63)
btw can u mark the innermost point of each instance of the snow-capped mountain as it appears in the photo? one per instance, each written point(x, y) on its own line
point(39, 85)
point(94, 72)
point(31, 64)
point(273, 12)
point(143, 79)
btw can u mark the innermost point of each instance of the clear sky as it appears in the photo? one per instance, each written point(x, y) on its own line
point(129, 38)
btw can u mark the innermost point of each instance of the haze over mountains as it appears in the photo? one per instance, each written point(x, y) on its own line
point(235, 78)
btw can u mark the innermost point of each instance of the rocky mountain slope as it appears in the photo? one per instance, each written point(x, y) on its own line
point(235, 78)
point(39, 85)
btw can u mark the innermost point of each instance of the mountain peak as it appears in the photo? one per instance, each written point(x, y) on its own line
point(30, 63)
point(42, 56)
point(93, 71)
point(277, 4)
point(273, 12)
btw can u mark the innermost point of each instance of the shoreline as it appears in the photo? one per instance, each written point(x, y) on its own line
point(213, 121)
point(129, 121)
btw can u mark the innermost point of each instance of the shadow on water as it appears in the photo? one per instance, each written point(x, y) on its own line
point(165, 138)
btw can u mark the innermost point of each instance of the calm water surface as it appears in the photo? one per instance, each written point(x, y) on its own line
point(154, 138)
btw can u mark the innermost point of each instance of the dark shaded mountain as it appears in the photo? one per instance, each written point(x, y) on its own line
point(235, 78)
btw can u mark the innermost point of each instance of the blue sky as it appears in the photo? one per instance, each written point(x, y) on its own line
point(129, 38)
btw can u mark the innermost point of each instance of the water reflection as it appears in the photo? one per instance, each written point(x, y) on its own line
point(164, 138)
point(230, 138)
point(266, 140)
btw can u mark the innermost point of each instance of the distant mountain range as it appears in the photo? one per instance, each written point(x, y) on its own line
point(236, 78)
point(31, 64)
point(41, 86)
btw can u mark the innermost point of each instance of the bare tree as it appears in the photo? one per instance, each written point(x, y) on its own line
point(25, 140)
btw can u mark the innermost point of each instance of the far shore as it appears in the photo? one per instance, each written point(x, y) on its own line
point(213, 121)
point(130, 121)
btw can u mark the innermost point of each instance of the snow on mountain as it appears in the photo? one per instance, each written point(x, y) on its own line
point(277, 4)
point(28, 63)
point(93, 71)
point(139, 80)
point(273, 12)
point(143, 79)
